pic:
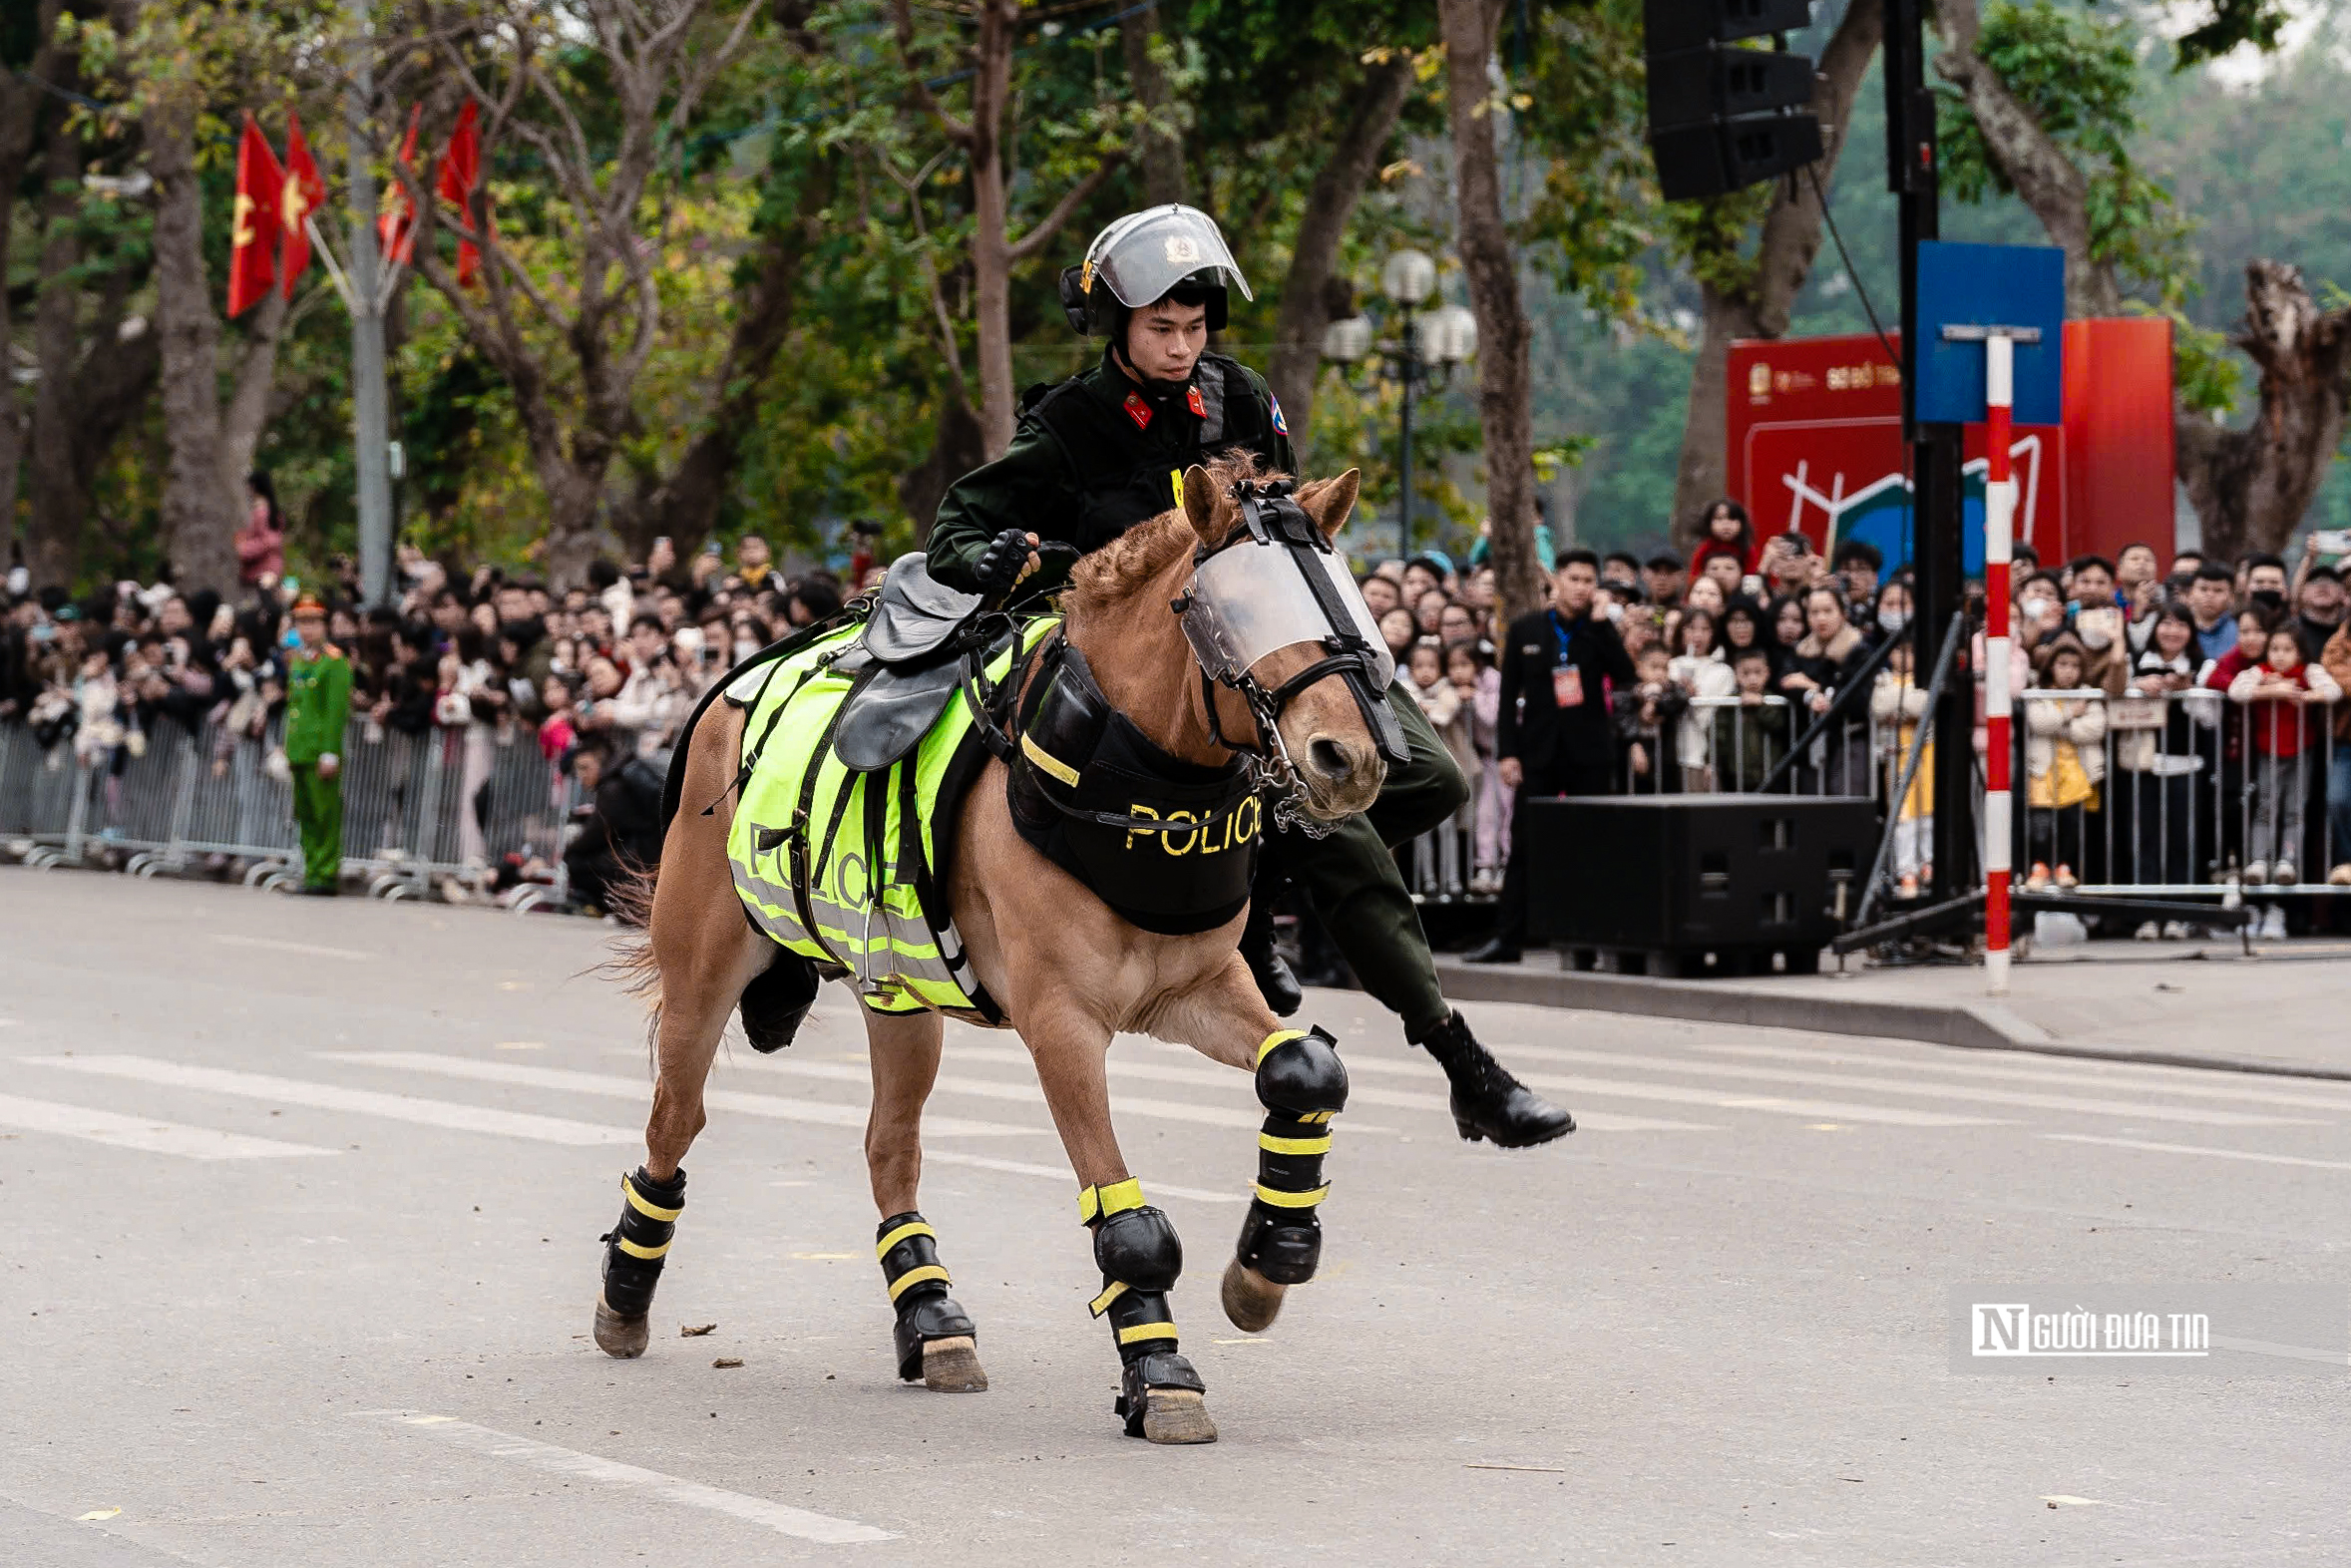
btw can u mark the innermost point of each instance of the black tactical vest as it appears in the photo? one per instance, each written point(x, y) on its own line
point(1125, 472)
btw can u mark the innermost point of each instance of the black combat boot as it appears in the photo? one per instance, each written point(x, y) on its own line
point(1488, 1103)
point(1267, 966)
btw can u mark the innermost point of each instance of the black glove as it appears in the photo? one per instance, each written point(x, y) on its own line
point(1001, 565)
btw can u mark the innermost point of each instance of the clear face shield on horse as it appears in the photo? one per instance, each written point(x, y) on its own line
point(1275, 584)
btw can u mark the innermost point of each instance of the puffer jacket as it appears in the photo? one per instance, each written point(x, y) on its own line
point(2047, 722)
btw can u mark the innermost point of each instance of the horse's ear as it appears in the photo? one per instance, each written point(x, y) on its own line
point(1200, 505)
point(1329, 501)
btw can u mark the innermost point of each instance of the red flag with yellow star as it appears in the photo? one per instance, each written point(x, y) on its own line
point(253, 232)
point(304, 193)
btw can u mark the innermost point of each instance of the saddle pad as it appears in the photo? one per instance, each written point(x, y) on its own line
point(849, 868)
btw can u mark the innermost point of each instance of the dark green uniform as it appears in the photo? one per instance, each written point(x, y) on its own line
point(1093, 457)
point(317, 704)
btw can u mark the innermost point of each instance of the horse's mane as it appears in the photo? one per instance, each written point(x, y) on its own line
point(1120, 569)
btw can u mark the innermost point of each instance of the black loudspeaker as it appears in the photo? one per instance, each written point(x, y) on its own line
point(1696, 884)
point(1722, 115)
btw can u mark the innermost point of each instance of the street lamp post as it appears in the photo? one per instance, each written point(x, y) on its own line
point(1427, 348)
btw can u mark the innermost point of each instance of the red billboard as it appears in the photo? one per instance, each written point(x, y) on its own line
point(1814, 441)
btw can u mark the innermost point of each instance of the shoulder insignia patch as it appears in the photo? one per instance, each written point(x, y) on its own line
point(1192, 397)
point(1279, 424)
point(1138, 411)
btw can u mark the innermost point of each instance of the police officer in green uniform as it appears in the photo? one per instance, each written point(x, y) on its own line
point(1107, 450)
point(317, 704)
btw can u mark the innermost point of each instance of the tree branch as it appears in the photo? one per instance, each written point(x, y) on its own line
point(1029, 245)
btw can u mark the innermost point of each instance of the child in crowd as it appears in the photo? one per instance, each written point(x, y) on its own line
point(1705, 679)
point(2064, 761)
point(2279, 733)
point(555, 732)
point(1751, 735)
point(1472, 674)
point(1898, 703)
point(1642, 718)
point(1439, 698)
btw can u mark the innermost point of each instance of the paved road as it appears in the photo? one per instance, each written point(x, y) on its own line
point(304, 1201)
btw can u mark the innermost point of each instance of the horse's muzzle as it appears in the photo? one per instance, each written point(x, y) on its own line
point(1341, 775)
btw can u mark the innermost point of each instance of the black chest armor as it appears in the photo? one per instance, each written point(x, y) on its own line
point(1125, 472)
point(1076, 760)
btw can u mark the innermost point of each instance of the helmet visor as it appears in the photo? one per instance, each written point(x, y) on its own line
point(1159, 249)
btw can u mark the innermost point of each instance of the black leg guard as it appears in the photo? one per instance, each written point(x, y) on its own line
point(637, 1247)
point(1140, 1258)
point(1301, 1083)
point(918, 1281)
point(776, 1001)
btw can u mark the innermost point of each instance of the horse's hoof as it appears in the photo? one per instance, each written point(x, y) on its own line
point(618, 1336)
point(1176, 1415)
point(952, 1366)
point(1251, 1302)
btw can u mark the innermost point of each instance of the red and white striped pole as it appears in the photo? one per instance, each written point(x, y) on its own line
point(1999, 520)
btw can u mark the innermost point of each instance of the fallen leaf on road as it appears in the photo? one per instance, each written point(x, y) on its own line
point(694, 1330)
point(729, 1360)
point(2167, 986)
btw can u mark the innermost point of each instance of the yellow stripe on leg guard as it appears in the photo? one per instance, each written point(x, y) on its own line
point(1101, 1304)
point(1278, 1037)
point(1117, 1198)
point(634, 1251)
point(650, 1210)
point(1291, 1200)
point(914, 1277)
point(1274, 1145)
point(1146, 1330)
point(909, 1228)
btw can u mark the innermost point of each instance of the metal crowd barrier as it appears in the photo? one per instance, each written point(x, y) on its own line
point(2190, 794)
point(417, 809)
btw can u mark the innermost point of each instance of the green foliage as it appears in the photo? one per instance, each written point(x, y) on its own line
point(2232, 22)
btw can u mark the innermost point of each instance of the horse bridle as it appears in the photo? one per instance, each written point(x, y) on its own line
point(1272, 518)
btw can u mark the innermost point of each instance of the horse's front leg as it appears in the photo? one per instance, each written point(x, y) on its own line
point(1301, 1085)
point(1135, 1245)
point(934, 1337)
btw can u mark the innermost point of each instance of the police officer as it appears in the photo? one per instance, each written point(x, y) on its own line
point(317, 704)
point(1107, 449)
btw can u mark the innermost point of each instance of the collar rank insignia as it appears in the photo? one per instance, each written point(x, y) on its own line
point(1192, 397)
point(1279, 423)
point(1138, 411)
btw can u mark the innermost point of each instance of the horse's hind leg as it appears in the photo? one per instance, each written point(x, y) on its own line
point(1301, 1085)
point(934, 1337)
point(705, 953)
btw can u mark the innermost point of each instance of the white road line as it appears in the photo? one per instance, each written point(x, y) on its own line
point(782, 1518)
point(2136, 1077)
point(2138, 1110)
point(1062, 1173)
point(281, 944)
point(144, 1133)
point(616, 1086)
point(2191, 1148)
point(1121, 1103)
point(328, 1096)
point(1403, 1099)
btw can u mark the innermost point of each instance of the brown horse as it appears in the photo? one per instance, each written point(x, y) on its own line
point(1068, 973)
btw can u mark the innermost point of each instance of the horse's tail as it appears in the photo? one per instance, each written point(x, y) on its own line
point(631, 899)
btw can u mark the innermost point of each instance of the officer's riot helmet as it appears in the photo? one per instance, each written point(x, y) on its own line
point(1143, 258)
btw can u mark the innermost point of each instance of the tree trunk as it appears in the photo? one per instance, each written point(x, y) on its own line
point(23, 106)
point(2044, 179)
point(2250, 487)
point(59, 503)
point(1504, 382)
point(1162, 150)
point(198, 519)
point(991, 250)
point(249, 398)
point(955, 452)
point(1308, 301)
point(1784, 260)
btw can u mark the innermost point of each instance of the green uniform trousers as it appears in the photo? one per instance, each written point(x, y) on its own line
point(1351, 876)
point(319, 815)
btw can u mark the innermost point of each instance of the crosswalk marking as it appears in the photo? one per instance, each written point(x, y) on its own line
point(782, 1518)
point(2131, 1076)
point(614, 1086)
point(328, 1096)
point(144, 1132)
point(1155, 1189)
point(1027, 1093)
point(2138, 1110)
point(2191, 1148)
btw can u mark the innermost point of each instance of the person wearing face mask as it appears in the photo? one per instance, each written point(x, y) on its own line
point(1893, 611)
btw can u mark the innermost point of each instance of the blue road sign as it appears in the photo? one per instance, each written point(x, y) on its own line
point(1989, 286)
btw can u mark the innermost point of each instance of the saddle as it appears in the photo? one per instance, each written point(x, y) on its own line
point(909, 660)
